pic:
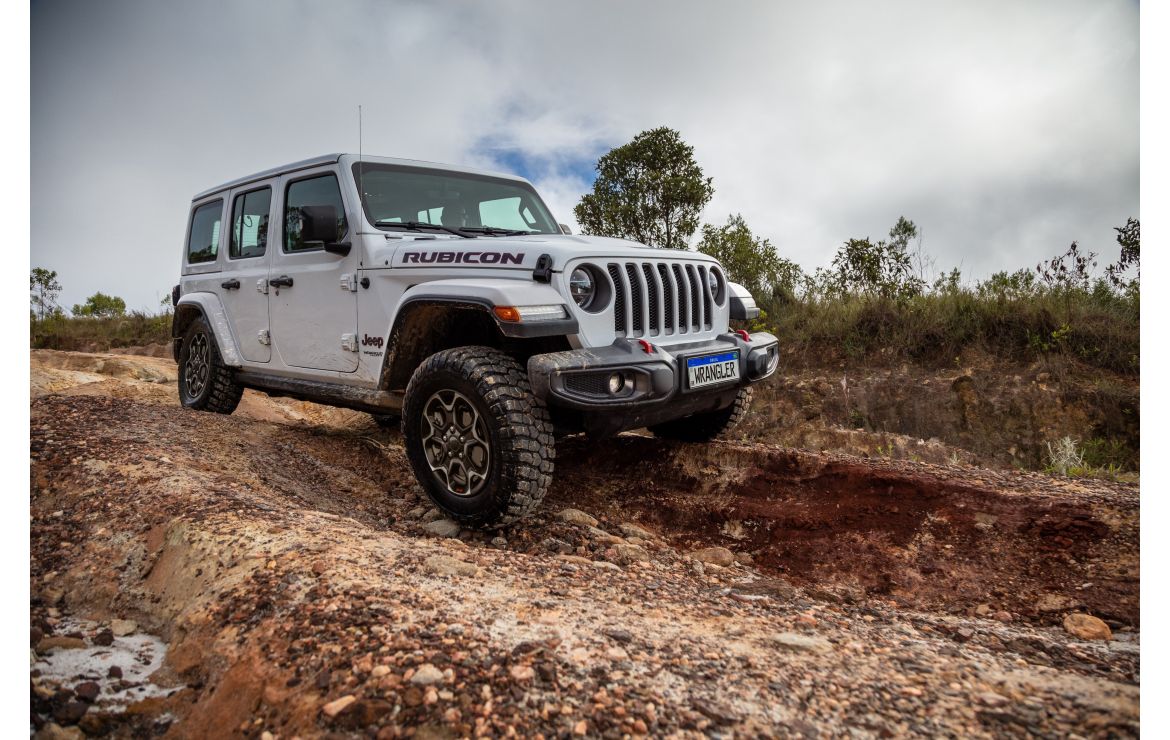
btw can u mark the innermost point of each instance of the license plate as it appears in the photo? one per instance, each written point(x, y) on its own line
point(712, 369)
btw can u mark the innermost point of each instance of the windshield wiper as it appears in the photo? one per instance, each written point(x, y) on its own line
point(497, 231)
point(422, 225)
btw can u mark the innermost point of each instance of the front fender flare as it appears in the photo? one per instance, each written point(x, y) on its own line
point(212, 309)
point(489, 293)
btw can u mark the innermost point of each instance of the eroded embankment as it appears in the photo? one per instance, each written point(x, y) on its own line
point(927, 536)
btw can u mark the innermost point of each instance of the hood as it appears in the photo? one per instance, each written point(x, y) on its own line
point(410, 250)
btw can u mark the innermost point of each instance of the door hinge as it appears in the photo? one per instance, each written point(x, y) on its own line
point(349, 342)
point(262, 286)
point(349, 282)
point(264, 337)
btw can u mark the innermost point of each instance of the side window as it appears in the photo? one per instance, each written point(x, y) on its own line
point(316, 191)
point(250, 224)
point(203, 241)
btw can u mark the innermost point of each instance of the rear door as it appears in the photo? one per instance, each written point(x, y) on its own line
point(312, 293)
point(243, 287)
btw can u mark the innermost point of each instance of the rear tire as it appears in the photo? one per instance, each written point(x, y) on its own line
point(481, 444)
point(706, 426)
point(205, 383)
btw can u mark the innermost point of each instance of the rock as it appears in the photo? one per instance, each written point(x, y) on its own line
point(363, 713)
point(522, 672)
point(104, 638)
point(123, 627)
point(1087, 627)
point(715, 556)
point(70, 713)
point(53, 731)
point(426, 675)
point(87, 691)
point(442, 528)
point(983, 610)
point(576, 516)
point(114, 672)
point(333, 708)
point(61, 643)
point(618, 634)
point(446, 565)
point(797, 643)
point(602, 536)
point(992, 699)
point(35, 635)
point(379, 671)
point(633, 530)
point(499, 541)
point(626, 553)
point(1053, 603)
point(581, 728)
point(416, 513)
point(1002, 616)
point(616, 653)
point(555, 545)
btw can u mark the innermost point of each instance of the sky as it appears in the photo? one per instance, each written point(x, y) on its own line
point(1005, 130)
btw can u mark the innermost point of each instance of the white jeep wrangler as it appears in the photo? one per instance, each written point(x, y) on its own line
point(451, 298)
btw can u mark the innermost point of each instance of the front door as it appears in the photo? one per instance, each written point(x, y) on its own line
point(243, 287)
point(312, 298)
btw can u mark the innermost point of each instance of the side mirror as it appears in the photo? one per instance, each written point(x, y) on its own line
point(319, 224)
point(565, 229)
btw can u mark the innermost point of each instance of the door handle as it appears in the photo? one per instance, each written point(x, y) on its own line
point(232, 284)
point(284, 281)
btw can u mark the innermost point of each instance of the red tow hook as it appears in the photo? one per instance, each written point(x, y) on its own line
point(646, 346)
point(744, 335)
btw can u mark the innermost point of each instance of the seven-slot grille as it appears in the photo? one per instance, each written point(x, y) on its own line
point(660, 298)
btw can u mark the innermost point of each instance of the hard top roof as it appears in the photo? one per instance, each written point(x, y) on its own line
point(332, 158)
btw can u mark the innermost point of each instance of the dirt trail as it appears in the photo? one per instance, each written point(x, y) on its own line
point(284, 557)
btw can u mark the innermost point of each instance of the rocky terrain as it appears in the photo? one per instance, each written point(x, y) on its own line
point(275, 574)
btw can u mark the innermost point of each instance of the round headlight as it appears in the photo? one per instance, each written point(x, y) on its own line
point(713, 284)
point(581, 287)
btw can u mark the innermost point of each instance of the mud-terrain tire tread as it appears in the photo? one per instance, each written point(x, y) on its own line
point(225, 393)
point(525, 431)
point(707, 426)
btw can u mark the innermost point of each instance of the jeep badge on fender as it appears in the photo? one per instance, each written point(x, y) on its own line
point(486, 330)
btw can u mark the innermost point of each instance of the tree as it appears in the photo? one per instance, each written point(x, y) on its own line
point(101, 306)
point(879, 269)
point(650, 190)
point(1129, 237)
point(750, 260)
point(43, 291)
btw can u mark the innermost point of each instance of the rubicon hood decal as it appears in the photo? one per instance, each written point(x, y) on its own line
point(460, 257)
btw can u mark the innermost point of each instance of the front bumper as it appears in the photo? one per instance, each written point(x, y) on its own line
point(655, 389)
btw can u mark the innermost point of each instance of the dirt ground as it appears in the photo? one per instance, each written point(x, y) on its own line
point(276, 573)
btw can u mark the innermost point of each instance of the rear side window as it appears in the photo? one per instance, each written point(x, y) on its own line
point(250, 224)
point(203, 242)
point(316, 191)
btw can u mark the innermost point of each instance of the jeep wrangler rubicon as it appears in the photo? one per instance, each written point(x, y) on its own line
point(450, 298)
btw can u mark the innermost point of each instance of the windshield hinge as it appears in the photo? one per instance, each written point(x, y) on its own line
point(349, 342)
point(349, 282)
point(542, 273)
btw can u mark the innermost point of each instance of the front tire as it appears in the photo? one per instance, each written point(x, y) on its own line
point(205, 383)
point(706, 426)
point(480, 442)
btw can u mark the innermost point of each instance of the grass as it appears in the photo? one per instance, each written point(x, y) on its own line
point(83, 334)
point(1099, 328)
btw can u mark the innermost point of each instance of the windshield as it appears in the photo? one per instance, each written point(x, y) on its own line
point(393, 194)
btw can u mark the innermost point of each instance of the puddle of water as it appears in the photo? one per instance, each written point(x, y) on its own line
point(138, 655)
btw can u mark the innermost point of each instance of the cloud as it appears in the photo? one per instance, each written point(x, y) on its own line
point(1005, 130)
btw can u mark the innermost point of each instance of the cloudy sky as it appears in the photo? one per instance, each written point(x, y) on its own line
point(1005, 130)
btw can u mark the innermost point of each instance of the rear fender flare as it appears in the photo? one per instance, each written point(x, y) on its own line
point(212, 309)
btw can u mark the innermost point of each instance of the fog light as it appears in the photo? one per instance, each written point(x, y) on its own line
point(617, 383)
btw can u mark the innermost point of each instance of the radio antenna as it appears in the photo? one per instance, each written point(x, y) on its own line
point(361, 164)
